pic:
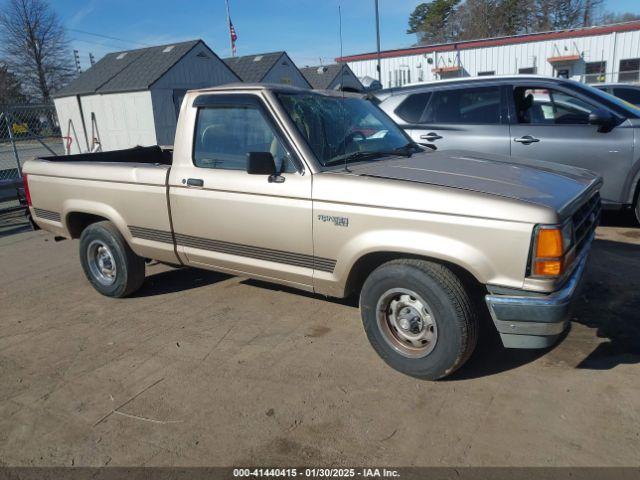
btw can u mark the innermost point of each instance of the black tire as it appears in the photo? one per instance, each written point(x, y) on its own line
point(129, 267)
point(449, 304)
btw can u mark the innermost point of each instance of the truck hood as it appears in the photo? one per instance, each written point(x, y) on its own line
point(543, 183)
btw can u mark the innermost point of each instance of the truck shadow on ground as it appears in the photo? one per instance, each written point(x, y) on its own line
point(609, 303)
point(178, 280)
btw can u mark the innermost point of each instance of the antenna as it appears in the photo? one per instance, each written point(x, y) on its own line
point(344, 138)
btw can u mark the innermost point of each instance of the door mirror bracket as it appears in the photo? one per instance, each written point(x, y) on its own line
point(603, 118)
point(263, 163)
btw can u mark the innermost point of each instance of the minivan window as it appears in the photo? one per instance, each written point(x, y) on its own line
point(412, 108)
point(542, 106)
point(467, 106)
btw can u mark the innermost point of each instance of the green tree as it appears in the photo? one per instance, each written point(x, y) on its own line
point(430, 21)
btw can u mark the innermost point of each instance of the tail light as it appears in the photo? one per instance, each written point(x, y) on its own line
point(552, 250)
point(27, 194)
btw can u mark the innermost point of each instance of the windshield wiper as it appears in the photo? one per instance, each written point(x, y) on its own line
point(405, 150)
point(352, 157)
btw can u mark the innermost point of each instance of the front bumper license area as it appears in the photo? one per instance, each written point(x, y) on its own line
point(536, 321)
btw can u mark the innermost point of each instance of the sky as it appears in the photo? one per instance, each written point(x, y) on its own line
point(307, 29)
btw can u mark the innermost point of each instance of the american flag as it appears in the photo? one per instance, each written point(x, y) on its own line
point(233, 35)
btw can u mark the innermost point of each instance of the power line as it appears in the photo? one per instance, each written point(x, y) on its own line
point(108, 37)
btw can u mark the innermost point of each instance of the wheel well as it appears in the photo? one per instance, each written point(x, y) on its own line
point(369, 262)
point(78, 221)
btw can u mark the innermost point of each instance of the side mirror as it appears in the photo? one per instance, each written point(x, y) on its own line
point(601, 117)
point(261, 163)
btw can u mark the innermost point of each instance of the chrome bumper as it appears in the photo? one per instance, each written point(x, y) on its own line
point(536, 321)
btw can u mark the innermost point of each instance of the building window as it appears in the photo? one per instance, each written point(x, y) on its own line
point(595, 72)
point(527, 71)
point(486, 74)
point(629, 70)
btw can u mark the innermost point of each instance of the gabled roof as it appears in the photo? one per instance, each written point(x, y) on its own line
point(253, 68)
point(128, 71)
point(320, 77)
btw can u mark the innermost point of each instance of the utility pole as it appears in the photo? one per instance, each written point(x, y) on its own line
point(76, 56)
point(378, 41)
point(92, 60)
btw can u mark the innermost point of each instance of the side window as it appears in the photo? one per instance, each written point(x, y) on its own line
point(225, 135)
point(466, 106)
point(411, 109)
point(542, 106)
point(630, 95)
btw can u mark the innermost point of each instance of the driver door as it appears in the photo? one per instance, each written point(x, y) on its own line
point(552, 124)
point(229, 220)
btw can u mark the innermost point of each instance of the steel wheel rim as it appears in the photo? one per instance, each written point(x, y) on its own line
point(102, 263)
point(407, 323)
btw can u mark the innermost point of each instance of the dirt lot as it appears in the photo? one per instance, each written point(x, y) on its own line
point(205, 369)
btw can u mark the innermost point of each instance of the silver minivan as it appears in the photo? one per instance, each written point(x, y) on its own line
point(527, 117)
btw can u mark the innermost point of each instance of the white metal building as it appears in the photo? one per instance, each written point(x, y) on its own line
point(133, 97)
point(608, 53)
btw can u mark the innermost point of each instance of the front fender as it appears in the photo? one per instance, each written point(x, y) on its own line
point(491, 257)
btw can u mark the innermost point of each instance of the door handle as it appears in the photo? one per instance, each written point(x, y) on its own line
point(526, 140)
point(195, 182)
point(431, 137)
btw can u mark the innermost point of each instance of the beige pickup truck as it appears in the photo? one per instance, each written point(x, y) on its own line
point(323, 192)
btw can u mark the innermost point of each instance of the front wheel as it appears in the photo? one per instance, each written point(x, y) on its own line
point(108, 262)
point(418, 317)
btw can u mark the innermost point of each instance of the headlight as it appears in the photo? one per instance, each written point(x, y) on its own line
point(552, 250)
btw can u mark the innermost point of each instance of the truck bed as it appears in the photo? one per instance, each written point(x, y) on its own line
point(153, 155)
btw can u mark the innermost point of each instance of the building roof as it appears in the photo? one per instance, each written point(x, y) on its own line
point(128, 71)
point(497, 41)
point(320, 77)
point(253, 68)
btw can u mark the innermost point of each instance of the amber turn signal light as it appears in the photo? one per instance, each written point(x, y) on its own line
point(549, 243)
point(547, 268)
point(550, 259)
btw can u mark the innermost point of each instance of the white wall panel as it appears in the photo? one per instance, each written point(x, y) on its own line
point(507, 59)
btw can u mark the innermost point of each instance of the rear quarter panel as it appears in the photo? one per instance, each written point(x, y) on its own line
point(126, 194)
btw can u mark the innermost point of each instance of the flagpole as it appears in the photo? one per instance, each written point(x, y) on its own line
point(233, 53)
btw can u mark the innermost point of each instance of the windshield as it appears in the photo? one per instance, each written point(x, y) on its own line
point(345, 130)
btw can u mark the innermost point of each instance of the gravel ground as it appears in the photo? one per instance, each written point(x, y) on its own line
point(204, 369)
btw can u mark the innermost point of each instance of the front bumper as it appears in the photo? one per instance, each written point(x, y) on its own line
point(536, 321)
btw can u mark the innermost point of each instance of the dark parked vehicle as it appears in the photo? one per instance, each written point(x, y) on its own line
point(628, 93)
point(527, 118)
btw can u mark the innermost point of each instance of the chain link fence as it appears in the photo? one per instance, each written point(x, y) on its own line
point(26, 131)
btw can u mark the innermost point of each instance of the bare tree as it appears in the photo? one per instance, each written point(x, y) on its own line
point(34, 46)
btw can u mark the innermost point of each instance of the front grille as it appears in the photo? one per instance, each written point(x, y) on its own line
point(585, 221)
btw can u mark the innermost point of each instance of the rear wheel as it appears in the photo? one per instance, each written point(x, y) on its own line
point(108, 262)
point(418, 317)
